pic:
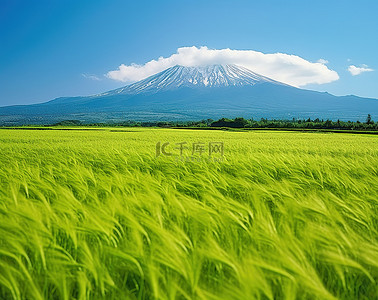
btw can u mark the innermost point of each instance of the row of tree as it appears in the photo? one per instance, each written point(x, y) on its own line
point(309, 123)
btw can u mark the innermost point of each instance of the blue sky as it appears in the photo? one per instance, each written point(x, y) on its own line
point(50, 49)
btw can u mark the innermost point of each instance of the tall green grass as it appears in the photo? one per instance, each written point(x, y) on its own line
point(95, 215)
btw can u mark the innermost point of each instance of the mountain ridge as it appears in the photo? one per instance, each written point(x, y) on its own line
point(216, 75)
point(191, 93)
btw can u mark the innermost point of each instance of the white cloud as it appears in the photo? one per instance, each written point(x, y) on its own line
point(358, 70)
point(289, 69)
point(323, 61)
point(90, 76)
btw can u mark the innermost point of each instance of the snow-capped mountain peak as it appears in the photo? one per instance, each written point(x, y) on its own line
point(202, 76)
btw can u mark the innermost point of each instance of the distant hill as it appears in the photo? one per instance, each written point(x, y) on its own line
point(194, 93)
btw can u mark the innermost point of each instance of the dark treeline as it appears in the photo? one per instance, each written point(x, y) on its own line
point(306, 124)
point(369, 124)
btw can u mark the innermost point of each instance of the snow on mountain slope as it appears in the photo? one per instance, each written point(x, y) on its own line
point(207, 76)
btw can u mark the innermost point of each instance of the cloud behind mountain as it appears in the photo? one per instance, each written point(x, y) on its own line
point(286, 68)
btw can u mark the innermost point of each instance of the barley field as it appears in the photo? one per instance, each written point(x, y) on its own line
point(107, 214)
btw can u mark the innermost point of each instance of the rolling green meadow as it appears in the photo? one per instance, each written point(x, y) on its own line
point(94, 214)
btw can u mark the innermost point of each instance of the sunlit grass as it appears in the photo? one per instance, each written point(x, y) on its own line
point(95, 215)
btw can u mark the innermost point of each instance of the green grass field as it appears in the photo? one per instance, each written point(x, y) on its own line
point(95, 215)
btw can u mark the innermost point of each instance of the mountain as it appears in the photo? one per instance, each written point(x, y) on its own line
point(194, 77)
point(194, 93)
